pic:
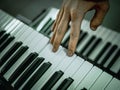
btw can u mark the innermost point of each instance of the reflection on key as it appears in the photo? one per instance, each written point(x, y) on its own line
point(1, 33)
point(37, 75)
point(3, 38)
point(65, 84)
point(113, 85)
point(22, 66)
point(53, 79)
point(90, 79)
point(13, 59)
point(6, 43)
point(10, 52)
point(101, 82)
point(113, 48)
point(28, 72)
point(102, 52)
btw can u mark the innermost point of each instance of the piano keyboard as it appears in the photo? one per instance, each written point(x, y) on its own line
point(27, 62)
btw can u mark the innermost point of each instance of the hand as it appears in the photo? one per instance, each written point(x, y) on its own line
point(74, 11)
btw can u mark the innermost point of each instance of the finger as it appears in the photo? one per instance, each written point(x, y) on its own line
point(74, 35)
point(61, 30)
point(56, 25)
point(57, 21)
point(98, 18)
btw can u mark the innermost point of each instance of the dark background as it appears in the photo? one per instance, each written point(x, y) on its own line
point(32, 8)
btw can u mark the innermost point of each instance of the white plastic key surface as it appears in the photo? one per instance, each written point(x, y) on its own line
point(101, 82)
point(90, 78)
point(113, 85)
point(70, 71)
point(80, 74)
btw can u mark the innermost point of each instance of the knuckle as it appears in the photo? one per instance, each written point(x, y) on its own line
point(74, 13)
point(59, 31)
point(66, 7)
point(56, 43)
point(74, 36)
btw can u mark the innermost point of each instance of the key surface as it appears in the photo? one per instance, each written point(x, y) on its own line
point(101, 82)
point(37, 75)
point(90, 78)
point(80, 74)
point(65, 84)
point(70, 71)
point(13, 59)
point(53, 79)
point(10, 52)
point(6, 43)
point(28, 72)
point(22, 66)
point(113, 85)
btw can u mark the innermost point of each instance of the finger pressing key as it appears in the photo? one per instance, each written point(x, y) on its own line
point(76, 20)
point(60, 31)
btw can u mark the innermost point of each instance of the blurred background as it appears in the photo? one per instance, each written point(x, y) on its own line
point(30, 9)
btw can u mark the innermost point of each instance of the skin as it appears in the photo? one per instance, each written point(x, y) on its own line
point(74, 11)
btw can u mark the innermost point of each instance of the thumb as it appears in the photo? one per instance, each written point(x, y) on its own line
point(98, 18)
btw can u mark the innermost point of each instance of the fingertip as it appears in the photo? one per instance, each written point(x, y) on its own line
point(70, 53)
point(94, 28)
point(54, 49)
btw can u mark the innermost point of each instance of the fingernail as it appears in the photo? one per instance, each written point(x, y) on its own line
point(94, 27)
point(54, 50)
point(70, 53)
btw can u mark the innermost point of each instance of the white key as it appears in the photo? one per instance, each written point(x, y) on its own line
point(21, 38)
point(116, 66)
point(32, 48)
point(10, 24)
point(80, 74)
point(52, 57)
point(69, 72)
point(65, 62)
point(6, 20)
point(90, 78)
point(80, 47)
point(66, 36)
point(101, 82)
point(113, 85)
point(110, 58)
point(52, 14)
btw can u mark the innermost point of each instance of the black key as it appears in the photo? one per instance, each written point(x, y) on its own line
point(118, 74)
point(13, 59)
point(112, 49)
point(65, 44)
point(28, 72)
point(22, 66)
point(46, 25)
point(48, 29)
point(4, 37)
point(84, 88)
point(44, 67)
point(91, 49)
point(53, 79)
point(87, 44)
point(65, 84)
point(114, 59)
point(82, 36)
point(10, 52)
point(1, 33)
point(6, 43)
point(102, 52)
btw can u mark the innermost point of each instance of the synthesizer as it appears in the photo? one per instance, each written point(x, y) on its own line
point(27, 61)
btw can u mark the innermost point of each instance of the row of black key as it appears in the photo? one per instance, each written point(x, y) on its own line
point(18, 51)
